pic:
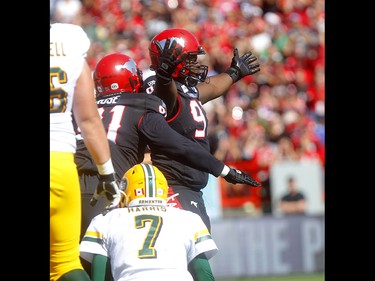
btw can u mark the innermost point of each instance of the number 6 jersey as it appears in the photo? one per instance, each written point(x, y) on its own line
point(68, 46)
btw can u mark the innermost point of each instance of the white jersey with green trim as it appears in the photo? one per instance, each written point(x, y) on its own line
point(148, 242)
point(68, 47)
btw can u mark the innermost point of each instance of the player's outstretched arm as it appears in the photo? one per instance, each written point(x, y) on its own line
point(217, 85)
point(179, 148)
point(242, 66)
point(236, 176)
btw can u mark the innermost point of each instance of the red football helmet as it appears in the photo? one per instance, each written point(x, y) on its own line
point(117, 73)
point(189, 69)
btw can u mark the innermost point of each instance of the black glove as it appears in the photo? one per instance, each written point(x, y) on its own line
point(241, 66)
point(167, 61)
point(236, 176)
point(108, 189)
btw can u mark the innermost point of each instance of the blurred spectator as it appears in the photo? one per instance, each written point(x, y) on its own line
point(293, 202)
point(285, 150)
point(68, 11)
point(52, 6)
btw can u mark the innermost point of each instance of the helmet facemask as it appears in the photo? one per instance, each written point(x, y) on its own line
point(192, 71)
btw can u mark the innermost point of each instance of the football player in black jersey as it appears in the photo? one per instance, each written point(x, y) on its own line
point(132, 121)
point(183, 85)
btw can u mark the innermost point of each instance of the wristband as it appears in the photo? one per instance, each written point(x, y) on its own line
point(106, 168)
point(225, 171)
point(163, 80)
point(233, 73)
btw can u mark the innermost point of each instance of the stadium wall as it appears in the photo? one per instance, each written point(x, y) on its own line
point(268, 245)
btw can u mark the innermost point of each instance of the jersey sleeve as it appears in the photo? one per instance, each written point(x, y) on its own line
point(155, 104)
point(200, 240)
point(93, 241)
point(149, 80)
point(163, 138)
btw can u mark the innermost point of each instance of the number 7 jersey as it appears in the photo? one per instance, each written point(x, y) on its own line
point(148, 242)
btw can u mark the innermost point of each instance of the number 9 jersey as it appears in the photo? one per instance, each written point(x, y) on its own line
point(189, 119)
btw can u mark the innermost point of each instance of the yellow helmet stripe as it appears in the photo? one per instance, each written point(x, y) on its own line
point(150, 177)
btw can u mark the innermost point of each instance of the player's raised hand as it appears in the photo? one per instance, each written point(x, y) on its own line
point(242, 66)
point(169, 57)
point(236, 176)
point(107, 189)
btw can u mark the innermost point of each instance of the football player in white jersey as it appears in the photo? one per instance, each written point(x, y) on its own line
point(72, 90)
point(144, 239)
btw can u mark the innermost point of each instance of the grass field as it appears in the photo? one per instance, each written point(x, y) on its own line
point(294, 277)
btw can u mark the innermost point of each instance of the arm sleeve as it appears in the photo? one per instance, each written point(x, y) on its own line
point(162, 137)
point(200, 269)
point(168, 93)
point(99, 268)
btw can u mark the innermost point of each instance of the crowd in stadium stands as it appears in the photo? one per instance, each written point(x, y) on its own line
point(277, 114)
